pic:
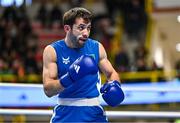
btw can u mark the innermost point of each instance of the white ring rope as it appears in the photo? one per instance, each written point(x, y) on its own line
point(110, 114)
point(20, 85)
point(142, 114)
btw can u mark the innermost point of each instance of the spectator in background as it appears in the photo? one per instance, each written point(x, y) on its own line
point(140, 52)
point(21, 13)
point(135, 18)
point(122, 61)
point(8, 47)
point(113, 7)
point(2, 65)
point(75, 3)
point(155, 67)
point(30, 63)
point(2, 32)
point(18, 67)
point(103, 30)
point(55, 15)
point(141, 65)
point(30, 58)
point(42, 14)
point(10, 13)
point(25, 28)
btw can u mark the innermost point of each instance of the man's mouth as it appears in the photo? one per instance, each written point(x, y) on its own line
point(83, 39)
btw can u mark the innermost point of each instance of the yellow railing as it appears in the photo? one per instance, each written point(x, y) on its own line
point(152, 76)
point(31, 78)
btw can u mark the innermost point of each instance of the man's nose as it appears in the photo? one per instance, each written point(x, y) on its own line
point(85, 33)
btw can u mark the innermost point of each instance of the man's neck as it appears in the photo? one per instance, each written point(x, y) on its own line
point(68, 42)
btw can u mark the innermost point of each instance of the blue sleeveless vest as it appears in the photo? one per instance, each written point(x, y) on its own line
point(87, 86)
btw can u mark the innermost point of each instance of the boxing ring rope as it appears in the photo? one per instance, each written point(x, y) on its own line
point(110, 114)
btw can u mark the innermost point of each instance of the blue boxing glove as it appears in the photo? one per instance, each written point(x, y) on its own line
point(112, 93)
point(83, 66)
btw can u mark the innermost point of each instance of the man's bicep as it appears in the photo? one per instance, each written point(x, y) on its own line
point(105, 67)
point(104, 64)
point(49, 64)
point(50, 71)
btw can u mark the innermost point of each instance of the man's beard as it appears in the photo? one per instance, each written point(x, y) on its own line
point(75, 41)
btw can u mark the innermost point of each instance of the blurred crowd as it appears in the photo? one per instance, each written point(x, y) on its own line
point(19, 43)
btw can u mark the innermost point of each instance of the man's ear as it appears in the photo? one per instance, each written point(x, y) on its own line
point(67, 28)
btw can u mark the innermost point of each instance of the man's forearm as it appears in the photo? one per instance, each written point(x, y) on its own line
point(52, 88)
point(113, 76)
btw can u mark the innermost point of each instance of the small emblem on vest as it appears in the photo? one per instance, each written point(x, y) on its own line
point(76, 67)
point(66, 60)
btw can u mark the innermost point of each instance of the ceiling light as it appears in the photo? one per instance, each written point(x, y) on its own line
point(178, 47)
point(178, 18)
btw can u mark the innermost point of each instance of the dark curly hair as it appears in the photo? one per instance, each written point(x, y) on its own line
point(77, 12)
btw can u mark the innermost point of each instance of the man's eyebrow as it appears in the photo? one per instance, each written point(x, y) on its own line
point(84, 24)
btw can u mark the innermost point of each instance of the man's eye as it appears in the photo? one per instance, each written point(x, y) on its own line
point(83, 27)
point(80, 27)
point(89, 27)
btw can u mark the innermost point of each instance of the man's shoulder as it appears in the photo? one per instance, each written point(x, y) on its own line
point(57, 42)
point(90, 40)
point(49, 50)
point(92, 44)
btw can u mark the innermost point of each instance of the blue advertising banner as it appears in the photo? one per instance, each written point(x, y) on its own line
point(32, 95)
